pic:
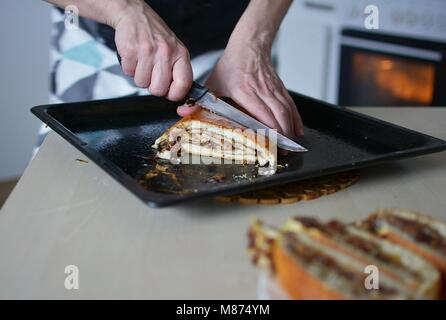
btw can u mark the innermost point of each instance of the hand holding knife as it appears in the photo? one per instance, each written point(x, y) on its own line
point(210, 102)
point(207, 100)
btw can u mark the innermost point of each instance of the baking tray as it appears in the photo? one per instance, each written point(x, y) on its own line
point(117, 135)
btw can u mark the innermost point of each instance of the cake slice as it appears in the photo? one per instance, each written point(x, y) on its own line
point(210, 135)
point(314, 260)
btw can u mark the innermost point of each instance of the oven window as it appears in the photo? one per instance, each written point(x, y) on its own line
point(385, 80)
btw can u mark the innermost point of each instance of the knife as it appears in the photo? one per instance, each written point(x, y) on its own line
point(210, 102)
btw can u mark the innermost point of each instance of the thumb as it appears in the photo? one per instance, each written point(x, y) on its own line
point(186, 110)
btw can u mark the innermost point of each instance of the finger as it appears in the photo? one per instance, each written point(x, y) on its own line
point(182, 80)
point(281, 113)
point(298, 124)
point(129, 66)
point(286, 103)
point(185, 110)
point(258, 109)
point(161, 78)
point(143, 73)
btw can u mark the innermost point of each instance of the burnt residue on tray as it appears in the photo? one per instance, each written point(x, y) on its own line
point(163, 176)
point(217, 178)
point(133, 152)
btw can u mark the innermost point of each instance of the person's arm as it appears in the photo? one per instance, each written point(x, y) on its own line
point(245, 72)
point(259, 24)
point(150, 51)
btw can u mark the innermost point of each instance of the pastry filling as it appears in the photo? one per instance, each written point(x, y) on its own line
point(338, 230)
point(419, 231)
point(311, 256)
point(213, 144)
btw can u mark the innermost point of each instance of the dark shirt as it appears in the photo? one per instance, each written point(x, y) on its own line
point(202, 25)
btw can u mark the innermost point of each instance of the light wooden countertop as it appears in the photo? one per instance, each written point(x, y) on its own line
point(65, 212)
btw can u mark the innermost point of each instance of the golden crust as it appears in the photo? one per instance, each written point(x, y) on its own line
point(205, 116)
point(209, 119)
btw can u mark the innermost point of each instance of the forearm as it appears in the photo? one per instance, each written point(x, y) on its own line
point(102, 11)
point(259, 23)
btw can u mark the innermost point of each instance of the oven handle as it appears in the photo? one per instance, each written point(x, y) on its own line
point(392, 48)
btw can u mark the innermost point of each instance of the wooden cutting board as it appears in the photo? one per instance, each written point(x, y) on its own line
point(296, 191)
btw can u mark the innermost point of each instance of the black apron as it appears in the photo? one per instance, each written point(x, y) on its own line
point(202, 25)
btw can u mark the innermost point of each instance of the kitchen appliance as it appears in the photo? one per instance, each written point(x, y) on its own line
point(384, 70)
point(117, 135)
point(322, 43)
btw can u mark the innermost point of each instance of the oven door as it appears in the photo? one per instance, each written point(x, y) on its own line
point(385, 70)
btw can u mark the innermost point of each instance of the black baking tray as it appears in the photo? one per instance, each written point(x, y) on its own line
point(117, 134)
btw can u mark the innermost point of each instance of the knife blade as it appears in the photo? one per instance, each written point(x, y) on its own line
point(209, 101)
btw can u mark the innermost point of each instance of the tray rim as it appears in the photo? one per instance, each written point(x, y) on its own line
point(153, 199)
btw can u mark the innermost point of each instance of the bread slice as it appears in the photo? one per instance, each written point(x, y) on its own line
point(207, 134)
point(419, 233)
point(313, 260)
point(416, 275)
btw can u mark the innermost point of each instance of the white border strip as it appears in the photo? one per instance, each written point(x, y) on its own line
point(392, 48)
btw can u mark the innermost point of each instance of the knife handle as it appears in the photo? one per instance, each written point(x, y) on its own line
point(196, 92)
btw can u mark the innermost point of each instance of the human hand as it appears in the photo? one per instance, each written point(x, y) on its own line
point(150, 52)
point(247, 76)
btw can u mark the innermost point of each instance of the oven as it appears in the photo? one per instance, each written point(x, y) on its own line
point(326, 51)
point(378, 69)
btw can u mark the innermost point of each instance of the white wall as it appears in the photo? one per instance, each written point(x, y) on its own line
point(24, 32)
point(303, 50)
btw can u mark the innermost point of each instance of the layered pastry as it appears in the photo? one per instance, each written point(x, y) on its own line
point(310, 259)
point(207, 134)
point(421, 234)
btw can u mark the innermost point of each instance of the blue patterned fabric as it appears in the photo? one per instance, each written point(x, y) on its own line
point(84, 68)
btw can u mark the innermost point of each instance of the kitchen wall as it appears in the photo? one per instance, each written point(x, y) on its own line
point(24, 32)
point(300, 43)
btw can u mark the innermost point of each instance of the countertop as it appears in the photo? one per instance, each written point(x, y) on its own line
point(66, 212)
